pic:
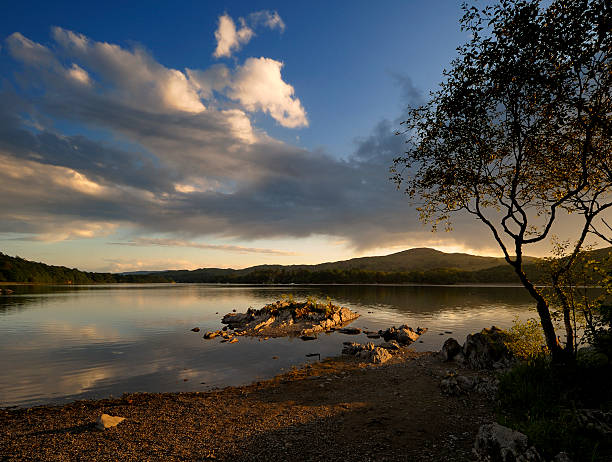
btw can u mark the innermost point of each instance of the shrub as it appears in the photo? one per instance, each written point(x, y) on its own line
point(525, 340)
point(540, 400)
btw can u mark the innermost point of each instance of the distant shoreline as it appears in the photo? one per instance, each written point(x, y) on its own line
point(236, 284)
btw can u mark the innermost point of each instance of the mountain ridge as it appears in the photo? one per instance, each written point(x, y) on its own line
point(415, 259)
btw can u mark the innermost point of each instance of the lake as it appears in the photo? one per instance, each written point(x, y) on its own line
point(61, 343)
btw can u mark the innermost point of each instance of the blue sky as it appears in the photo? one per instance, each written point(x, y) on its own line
point(156, 135)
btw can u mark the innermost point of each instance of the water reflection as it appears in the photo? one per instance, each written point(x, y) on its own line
point(60, 343)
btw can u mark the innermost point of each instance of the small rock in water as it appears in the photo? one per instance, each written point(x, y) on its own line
point(233, 340)
point(234, 310)
point(274, 357)
point(211, 334)
point(448, 331)
point(107, 421)
point(350, 330)
point(195, 329)
point(308, 337)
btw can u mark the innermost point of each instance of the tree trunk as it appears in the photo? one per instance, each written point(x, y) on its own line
point(556, 352)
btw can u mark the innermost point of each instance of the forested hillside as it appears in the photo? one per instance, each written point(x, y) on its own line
point(16, 269)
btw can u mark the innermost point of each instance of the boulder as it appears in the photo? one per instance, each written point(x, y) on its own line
point(495, 443)
point(368, 352)
point(107, 421)
point(379, 356)
point(404, 335)
point(450, 349)
point(455, 385)
point(486, 348)
point(210, 334)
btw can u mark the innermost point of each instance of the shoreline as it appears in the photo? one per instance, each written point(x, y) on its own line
point(337, 408)
point(410, 284)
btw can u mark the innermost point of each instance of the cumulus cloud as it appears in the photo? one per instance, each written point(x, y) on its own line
point(135, 75)
point(230, 38)
point(258, 85)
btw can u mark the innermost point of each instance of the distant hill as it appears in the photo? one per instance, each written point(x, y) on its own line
point(412, 260)
point(420, 266)
point(419, 259)
point(16, 269)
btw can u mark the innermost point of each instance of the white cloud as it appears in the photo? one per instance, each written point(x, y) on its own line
point(79, 74)
point(29, 52)
point(229, 38)
point(270, 19)
point(137, 78)
point(258, 85)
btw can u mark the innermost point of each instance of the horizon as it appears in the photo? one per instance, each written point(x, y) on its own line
point(249, 137)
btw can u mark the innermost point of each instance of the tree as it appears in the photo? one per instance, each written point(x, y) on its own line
point(519, 131)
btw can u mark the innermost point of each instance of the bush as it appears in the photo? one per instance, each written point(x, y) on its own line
point(540, 400)
point(525, 340)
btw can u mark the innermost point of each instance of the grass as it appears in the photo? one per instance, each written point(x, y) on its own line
point(540, 400)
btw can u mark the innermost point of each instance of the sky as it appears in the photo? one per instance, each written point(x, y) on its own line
point(165, 135)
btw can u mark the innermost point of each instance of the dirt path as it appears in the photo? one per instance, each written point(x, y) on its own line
point(334, 410)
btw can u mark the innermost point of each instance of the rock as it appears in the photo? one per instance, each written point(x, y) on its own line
point(350, 331)
point(392, 345)
point(308, 337)
point(484, 349)
point(372, 335)
point(455, 385)
point(5, 291)
point(107, 421)
point(286, 317)
point(211, 334)
point(450, 349)
point(379, 356)
point(233, 340)
point(562, 457)
point(404, 335)
point(368, 352)
point(195, 329)
point(495, 442)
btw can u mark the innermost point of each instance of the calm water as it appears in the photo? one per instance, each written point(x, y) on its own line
point(61, 343)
